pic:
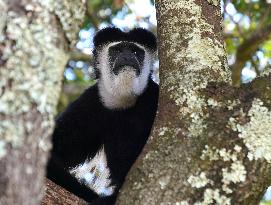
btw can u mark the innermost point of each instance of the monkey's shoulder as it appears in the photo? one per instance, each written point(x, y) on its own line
point(86, 103)
point(150, 96)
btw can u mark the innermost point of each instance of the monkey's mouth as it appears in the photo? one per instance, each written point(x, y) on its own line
point(119, 69)
point(121, 65)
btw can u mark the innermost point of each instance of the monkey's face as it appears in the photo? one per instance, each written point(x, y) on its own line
point(126, 56)
point(124, 68)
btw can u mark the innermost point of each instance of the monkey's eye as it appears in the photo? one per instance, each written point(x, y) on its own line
point(134, 52)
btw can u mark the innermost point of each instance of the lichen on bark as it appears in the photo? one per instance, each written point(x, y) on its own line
point(32, 69)
point(201, 53)
point(33, 55)
point(214, 2)
point(256, 133)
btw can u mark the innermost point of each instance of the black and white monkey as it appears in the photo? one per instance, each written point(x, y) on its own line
point(99, 136)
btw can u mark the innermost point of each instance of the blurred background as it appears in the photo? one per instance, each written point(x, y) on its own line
point(247, 33)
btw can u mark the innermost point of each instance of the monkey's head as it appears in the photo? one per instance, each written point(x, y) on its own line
point(124, 63)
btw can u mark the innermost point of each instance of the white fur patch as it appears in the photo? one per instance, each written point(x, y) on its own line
point(121, 91)
point(95, 174)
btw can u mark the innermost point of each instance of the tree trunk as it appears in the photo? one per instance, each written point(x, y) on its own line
point(211, 141)
point(34, 39)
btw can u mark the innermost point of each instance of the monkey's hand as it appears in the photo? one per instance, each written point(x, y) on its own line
point(57, 173)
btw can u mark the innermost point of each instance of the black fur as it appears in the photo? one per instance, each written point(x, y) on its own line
point(86, 124)
point(137, 35)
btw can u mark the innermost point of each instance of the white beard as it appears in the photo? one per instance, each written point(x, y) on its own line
point(124, 83)
point(119, 93)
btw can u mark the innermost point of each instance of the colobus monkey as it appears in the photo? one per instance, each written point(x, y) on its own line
point(99, 136)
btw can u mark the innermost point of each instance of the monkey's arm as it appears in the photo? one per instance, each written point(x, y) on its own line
point(73, 142)
point(77, 133)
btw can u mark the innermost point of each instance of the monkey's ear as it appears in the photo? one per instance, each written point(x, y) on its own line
point(143, 37)
point(107, 35)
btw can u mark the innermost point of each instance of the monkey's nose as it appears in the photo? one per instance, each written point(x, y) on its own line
point(126, 57)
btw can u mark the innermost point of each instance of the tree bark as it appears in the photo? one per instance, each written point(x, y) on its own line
point(56, 195)
point(34, 39)
point(211, 141)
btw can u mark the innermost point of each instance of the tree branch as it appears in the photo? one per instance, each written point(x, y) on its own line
point(57, 195)
point(92, 18)
point(247, 49)
point(38, 35)
point(80, 56)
